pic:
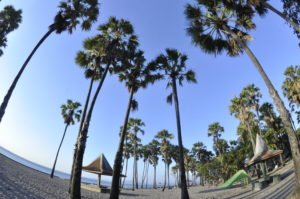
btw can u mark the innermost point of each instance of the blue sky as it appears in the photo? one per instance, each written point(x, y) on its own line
point(32, 126)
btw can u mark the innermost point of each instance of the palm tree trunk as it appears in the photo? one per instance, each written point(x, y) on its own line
point(184, 191)
point(147, 168)
point(168, 171)
point(284, 17)
point(53, 168)
point(165, 179)
point(81, 142)
point(284, 114)
point(126, 165)
point(80, 128)
point(114, 194)
point(154, 180)
point(251, 136)
point(133, 172)
point(14, 84)
point(136, 175)
point(143, 174)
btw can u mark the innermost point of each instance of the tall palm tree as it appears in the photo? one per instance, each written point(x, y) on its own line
point(10, 18)
point(135, 75)
point(251, 95)
point(71, 14)
point(215, 30)
point(291, 87)
point(134, 127)
point(173, 66)
point(165, 149)
point(240, 111)
point(153, 159)
point(199, 152)
point(93, 70)
point(70, 113)
point(215, 130)
point(108, 44)
point(145, 152)
point(262, 6)
point(128, 150)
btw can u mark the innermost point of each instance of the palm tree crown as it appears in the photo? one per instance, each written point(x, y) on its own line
point(74, 12)
point(10, 18)
point(208, 27)
point(70, 113)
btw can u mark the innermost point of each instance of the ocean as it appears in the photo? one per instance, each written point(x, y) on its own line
point(59, 174)
point(44, 169)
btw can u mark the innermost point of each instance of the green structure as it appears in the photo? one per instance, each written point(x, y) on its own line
point(240, 177)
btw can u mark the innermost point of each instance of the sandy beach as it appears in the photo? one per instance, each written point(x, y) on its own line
point(18, 181)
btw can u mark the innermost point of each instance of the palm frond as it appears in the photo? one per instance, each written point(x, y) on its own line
point(170, 98)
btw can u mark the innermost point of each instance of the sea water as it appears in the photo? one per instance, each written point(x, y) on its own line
point(43, 169)
point(59, 174)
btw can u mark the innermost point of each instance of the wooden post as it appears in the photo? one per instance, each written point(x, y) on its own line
point(281, 160)
point(99, 180)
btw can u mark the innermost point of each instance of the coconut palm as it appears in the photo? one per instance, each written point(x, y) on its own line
point(216, 29)
point(153, 158)
point(135, 75)
point(165, 149)
point(173, 66)
point(10, 18)
point(106, 48)
point(70, 114)
point(215, 130)
point(71, 14)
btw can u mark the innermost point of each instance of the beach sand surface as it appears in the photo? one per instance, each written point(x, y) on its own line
point(21, 182)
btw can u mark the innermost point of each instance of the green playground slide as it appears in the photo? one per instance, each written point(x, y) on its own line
point(240, 176)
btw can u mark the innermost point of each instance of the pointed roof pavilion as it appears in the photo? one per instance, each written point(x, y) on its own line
point(99, 166)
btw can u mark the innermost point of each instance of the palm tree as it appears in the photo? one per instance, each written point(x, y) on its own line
point(289, 14)
point(216, 30)
point(165, 149)
point(108, 44)
point(70, 113)
point(173, 65)
point(134, 127)
point(135, 75)
point(251, 95)
point(71, 13)
point(128, 150)
point(153, 159)
point(215, 130)
point(89, 61)
point(10, 18)
point(174, 170)
point(291, 87)
point(200, 153)
point(145, 153)
point(240, 111)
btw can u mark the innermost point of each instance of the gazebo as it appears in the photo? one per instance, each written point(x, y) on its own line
point(261, 155)
point(100, 166)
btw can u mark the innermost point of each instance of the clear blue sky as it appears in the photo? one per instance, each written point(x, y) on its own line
point(32, 126)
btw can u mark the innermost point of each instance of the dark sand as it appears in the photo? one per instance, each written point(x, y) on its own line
point(20, 182)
